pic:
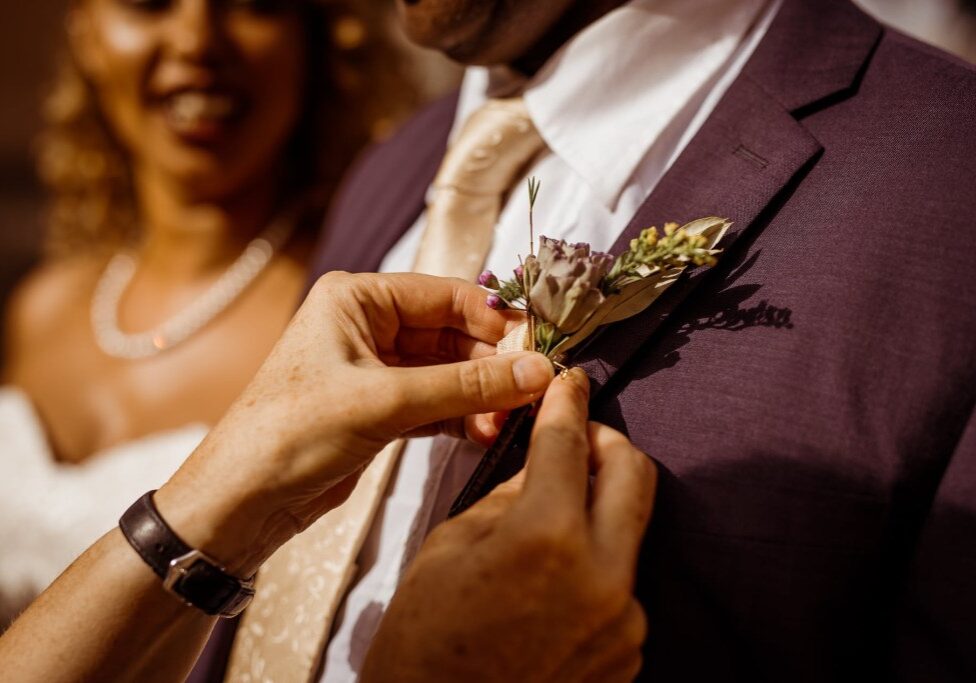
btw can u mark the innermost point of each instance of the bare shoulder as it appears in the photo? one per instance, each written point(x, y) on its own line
point(48, 297)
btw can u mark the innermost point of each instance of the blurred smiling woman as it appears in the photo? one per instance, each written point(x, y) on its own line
point(191, 146)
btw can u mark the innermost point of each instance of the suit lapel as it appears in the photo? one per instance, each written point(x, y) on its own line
point(752, 149)
point(746, 154)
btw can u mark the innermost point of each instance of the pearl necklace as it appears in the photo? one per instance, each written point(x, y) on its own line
point(180, 327)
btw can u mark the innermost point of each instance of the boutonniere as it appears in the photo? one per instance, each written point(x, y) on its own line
point(568, 291)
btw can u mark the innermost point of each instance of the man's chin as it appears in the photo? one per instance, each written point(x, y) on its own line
point(481, 32)
point(470, 32)
point(455, 27)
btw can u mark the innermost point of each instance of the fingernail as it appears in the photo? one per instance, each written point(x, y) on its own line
point(532, 373)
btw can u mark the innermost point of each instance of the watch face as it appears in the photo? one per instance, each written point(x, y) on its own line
point(199, 582)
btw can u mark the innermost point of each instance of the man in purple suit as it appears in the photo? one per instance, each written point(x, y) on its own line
point(808, 401)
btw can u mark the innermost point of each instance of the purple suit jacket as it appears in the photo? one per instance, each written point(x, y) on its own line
point(809, 401)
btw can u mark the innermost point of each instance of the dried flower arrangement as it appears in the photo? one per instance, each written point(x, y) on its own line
point(568, 291)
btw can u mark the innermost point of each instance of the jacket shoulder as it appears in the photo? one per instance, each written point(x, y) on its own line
point(422, 137)
point(383, 193)
point(908, 130)
point(923, 75)
point(927, 55)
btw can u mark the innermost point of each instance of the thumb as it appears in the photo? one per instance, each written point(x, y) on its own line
point(440, 392)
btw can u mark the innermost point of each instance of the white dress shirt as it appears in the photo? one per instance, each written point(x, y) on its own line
point(615, 106)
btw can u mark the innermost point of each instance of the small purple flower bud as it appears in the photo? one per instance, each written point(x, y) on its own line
point(488, 279)
point(496, 302)
point(519, 272)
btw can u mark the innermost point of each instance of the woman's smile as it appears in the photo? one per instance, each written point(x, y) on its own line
point(202, 117)
point(203, 93)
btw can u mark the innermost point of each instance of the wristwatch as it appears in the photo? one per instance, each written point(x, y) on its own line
point(186, 572)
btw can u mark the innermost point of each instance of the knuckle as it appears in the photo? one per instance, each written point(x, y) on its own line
point(642, 462)
point(329, 282)
point(442, 534)
point(562, 437)
point(553, 545)
point(615, 598)
point(597, 612)
point(476, 382)
point(507, 490)
point(563, 530)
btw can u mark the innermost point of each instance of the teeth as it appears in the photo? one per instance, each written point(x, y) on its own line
point(190, 107)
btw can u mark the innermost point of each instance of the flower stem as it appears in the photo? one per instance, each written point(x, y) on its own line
point(533, 193)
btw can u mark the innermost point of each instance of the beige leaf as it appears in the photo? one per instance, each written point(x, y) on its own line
point(629, 301)
point(638, 296)
point(712, 227)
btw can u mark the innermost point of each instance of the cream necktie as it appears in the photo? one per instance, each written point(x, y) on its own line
point(284, 631)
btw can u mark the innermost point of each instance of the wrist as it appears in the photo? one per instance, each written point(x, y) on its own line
point(225, 514)
point(187, 573)
point(239, 498)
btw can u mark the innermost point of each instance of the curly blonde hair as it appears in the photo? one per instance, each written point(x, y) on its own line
point(356, 92)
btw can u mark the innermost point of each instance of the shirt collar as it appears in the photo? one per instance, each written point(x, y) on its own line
point(604, 98)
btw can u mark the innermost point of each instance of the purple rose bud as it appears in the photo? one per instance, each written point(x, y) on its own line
point(496, 302)
point(566, 282)
point(519, 272)
point(488, 279)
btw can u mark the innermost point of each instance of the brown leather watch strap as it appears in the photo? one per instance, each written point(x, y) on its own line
point(186, 572)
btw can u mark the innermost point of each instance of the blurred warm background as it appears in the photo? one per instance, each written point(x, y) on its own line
point(30, 39)
point(235, 121)
point(29, 35)
point(950, 24)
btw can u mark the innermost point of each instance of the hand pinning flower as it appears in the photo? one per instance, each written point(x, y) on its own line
point(568, 290)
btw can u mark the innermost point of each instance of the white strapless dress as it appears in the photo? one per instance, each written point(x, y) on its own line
point(50, 512)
